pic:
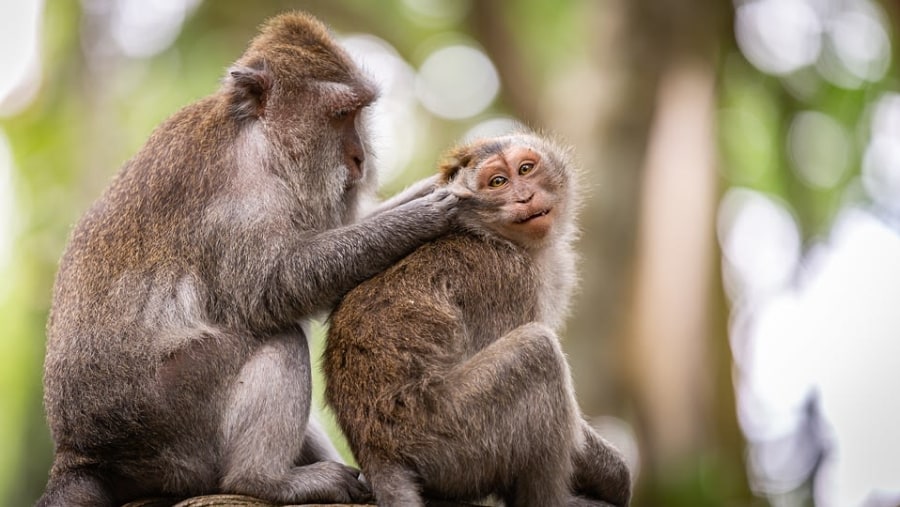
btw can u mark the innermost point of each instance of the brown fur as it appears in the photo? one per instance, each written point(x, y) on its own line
point(177, 361)
point(445, 371)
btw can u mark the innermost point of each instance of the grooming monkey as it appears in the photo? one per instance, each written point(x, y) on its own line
point(445, 371)
point(177, 361)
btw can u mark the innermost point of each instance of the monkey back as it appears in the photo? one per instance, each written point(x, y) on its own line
point(391, 338)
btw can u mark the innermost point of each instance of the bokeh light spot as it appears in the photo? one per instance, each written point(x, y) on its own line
point(457, 82)
point(143, 28)
point(7, 203)
point(778, 36)
point(436, 12)
point(760, 242)
point(498, 126)
point(393, 116)
point(881, 162)
point(819, 146)
point(860, 44)
point(19, 57)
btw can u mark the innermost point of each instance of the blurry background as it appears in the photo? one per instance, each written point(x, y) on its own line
point(738, 328)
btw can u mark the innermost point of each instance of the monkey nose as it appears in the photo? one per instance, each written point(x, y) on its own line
point(355, 166)
point(525, 200)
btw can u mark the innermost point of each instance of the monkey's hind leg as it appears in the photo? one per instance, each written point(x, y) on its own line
point(515, 402)
point(316, 445)
point(394, 486)
point(264, 433)
point(74, 488)
point(579, 501)
point(600, 471)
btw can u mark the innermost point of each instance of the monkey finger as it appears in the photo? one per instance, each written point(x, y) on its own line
point(432, 182)
point(355, 472)
point(357, 487)
point(477, 205)
point(444, 199)
point(361, 493)
point(462, 193)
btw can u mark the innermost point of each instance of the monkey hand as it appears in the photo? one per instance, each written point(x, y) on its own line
point(338, 483)
point(439, 202)
point(427, 185)
point(417, 190)
point(472, 209)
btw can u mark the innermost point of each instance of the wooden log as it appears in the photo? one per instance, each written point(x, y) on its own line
point(247, 501)
point(202, 501)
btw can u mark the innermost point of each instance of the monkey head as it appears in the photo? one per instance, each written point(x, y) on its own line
point(298, 94)
point(522, 187)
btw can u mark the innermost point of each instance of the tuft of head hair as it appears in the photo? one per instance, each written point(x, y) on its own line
point(297, 29)
point(290, 48)
point(453, 161)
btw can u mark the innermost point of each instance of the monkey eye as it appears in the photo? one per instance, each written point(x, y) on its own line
point(342, 114)
point(497, 181)
point(526, 168)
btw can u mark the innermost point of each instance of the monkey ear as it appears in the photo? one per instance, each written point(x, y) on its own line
point(249, 87)
point(447, 171)
point(453, 163)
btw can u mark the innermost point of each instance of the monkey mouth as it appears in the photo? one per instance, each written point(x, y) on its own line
point(534, 216)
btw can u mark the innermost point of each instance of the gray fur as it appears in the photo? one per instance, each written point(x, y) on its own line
point(446, 372)
point(177, 362)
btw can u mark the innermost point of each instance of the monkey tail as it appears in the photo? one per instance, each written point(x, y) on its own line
point(75, 487)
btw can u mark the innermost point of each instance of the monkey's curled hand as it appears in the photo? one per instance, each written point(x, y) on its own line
point(440, 202)
point(419, 189)
point(329, 481)
point(471, 210)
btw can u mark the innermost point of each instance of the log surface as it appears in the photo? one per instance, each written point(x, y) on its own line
point(247, 501)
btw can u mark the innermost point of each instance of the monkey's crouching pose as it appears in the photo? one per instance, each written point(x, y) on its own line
point(177, 362)
point(445, 371)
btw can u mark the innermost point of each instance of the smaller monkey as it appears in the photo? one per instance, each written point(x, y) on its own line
point(445, 371)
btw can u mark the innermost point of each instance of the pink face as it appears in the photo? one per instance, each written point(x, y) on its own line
point(517, 179)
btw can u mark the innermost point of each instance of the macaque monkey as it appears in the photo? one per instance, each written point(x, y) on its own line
point(445, 371)
point(177, 360)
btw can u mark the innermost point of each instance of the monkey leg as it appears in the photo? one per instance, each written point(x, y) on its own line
point(600, 471)
point(394, 485)
point(579, 501)
point(510, 414)
point(316, 445)
point(267, 453)
point(75, 488)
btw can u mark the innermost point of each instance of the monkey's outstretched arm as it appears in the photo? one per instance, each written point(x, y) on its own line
point(418, 189)
point(319, 272)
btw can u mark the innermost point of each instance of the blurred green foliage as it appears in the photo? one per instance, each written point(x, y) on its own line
point(86, 121)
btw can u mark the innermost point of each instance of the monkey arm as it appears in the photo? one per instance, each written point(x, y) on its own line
point(418, 189)
point(319, 270)
point(529, 354)
point(333, 262)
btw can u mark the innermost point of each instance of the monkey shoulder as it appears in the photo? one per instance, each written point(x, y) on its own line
point(142, 230)
point(437, 287)
point(464, 264)
point(163, 187)
point(417, 291)
point(462, 282)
